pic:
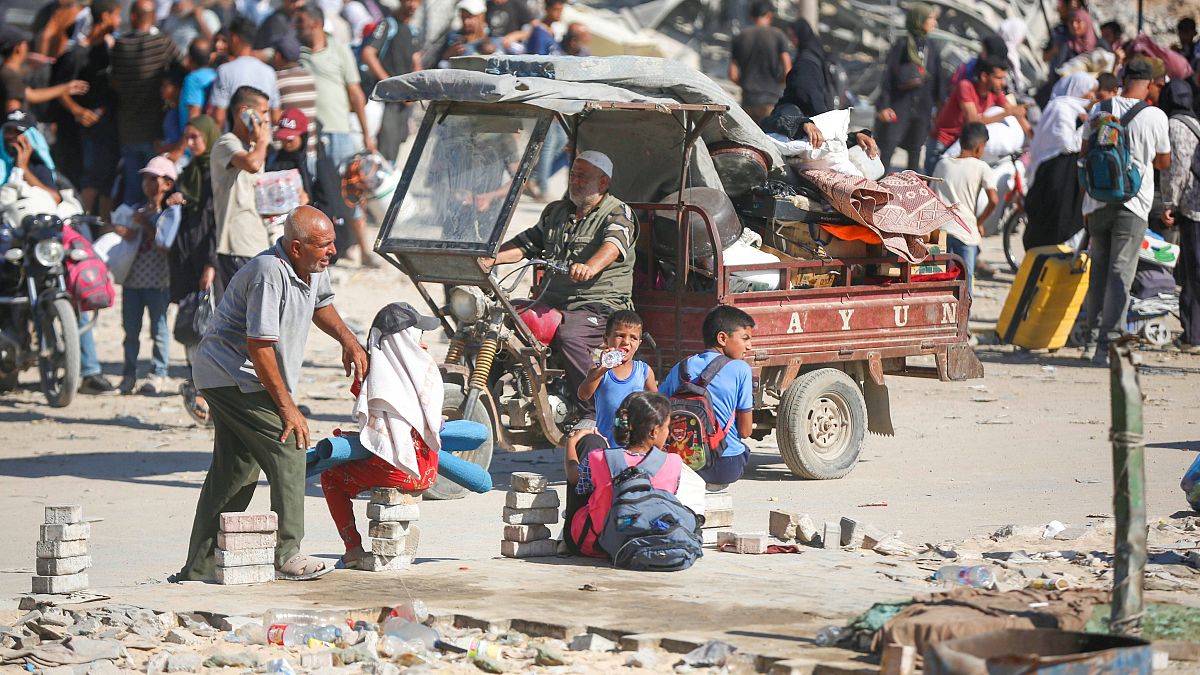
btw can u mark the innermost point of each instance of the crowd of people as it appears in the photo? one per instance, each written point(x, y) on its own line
point(223, 91)
point(1094, 77)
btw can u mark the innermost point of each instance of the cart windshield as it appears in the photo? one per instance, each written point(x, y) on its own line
point(463, 177)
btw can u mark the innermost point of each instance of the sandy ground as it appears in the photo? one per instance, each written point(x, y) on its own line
point(1027, 444)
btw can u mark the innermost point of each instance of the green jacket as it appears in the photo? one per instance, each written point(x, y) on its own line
point(559, 236)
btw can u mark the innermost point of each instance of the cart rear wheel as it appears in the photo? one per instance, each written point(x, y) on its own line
point(822, 422)
point(1157, 332)
point(444, 488)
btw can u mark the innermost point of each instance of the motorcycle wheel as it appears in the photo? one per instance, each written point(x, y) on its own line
point(58, 353)
point(8, 382)
point(444, 488)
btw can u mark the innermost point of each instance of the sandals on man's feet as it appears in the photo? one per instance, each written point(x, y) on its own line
point(301, 568)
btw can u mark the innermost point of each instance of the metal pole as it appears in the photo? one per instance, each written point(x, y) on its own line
point(810, 11)
point(1129, 494)
point(1141, 16)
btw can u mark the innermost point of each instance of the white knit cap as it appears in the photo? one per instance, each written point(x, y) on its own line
point(472, 7)
point(597, 159)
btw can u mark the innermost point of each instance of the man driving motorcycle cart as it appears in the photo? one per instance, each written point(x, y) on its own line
point(594, 233)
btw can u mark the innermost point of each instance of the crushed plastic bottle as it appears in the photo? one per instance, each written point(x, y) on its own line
point(279, 666)
point(410, 631)
point(831, 635)
point(251, 633)
point(474, 646)
point(414, 611)
point(977, 576)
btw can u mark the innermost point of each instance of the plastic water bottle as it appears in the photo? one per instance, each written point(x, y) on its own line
point(293, 635)
point(305, 617)
point(473, 646)
point(831, 635)
point(414, 611)
point(977, 576)
point(410, 631)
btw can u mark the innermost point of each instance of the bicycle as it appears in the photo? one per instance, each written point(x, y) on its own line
point(1014, 219)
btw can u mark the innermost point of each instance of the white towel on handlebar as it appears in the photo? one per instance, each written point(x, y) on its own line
point(402, 391)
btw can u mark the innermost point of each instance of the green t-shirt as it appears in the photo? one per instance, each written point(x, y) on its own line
point(333, 68)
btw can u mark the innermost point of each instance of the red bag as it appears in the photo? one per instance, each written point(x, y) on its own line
point(1176, 64)
point(88, 281)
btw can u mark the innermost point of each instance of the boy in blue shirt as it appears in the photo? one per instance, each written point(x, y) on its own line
point(727, 331)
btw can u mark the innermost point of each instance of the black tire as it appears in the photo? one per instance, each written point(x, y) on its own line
point(821, 424)
point(444, 488)
point(8, 382)
point(58, 353)
point(1013, 230)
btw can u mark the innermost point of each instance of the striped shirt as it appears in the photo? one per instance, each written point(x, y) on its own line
point(139, 61)
point(298, 89)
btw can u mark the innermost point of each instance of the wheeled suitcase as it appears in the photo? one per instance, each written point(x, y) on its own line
point(1045, 298)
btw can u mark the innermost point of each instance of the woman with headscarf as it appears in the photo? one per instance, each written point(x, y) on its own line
point(1055, 200)
point(809, 83)
point(1181, 205)
point(193, 255)
point(1078, 36)
point(912, 86)
point(1013, 30)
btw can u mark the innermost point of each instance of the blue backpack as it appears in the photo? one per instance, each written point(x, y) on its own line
point(1106, 170)
point(647, 529)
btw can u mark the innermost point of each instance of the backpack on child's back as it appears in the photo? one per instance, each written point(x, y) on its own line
point(1107, 170)
point(644, 527)
point(696, 436)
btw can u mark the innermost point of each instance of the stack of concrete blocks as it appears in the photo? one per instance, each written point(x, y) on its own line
point(718, 514)
point(529, 510)
point(62, 551)
point(394, 537)
point(246, 548)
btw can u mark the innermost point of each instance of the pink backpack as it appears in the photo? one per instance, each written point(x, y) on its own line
point(587, 523)
point(87, 278)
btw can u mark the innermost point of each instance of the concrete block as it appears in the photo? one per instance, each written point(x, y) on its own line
point(710, 537)
point(61, 532)
point(393, 497)
point(639, 641)
point(384, 529)
point(590, 642)
point(750, 543)
point(55, 567)
point(389, 547)
point(246, 557)
point(525, 533)
point(543, 548)
point(718, 501)
point(241, 541)
point(249, 522)
point(404, 513)
point(488, 626)
point(67, 583)
point(794, 667)
point(726, 537)
point(831, 536)
point(62, 549)
point(806, 530)
point(384, 563)
point(532, 500)
point(898, 660)
point(852, 533)
point(1159, 660)
point(64, 515)
point(872, 536)
point(718, 518)
point(527, 481)
point(251, 574)
point(782, 524)
point(530, 516)
point(557, 631)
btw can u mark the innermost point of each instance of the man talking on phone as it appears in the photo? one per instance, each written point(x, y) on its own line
point(238, 158)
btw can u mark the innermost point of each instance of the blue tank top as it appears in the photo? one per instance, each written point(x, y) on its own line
point(611, 392)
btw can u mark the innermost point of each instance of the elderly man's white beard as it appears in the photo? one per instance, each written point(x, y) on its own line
point(588, 194)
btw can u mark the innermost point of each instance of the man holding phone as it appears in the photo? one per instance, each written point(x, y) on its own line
point(238, 159)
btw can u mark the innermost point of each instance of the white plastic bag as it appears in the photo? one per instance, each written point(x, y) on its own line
point(278, 192)
point(167, 227)
point(1005, 138)
point(117, 253)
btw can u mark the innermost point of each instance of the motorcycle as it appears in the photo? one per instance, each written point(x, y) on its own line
point(38, 323)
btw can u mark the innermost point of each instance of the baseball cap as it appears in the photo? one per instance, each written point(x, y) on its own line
point(399, 316)
point(472, 7)
point(1139, 69)
point(288, 47)
point(599, 160)
point(11, 36)
point(20, 119)
point(292, 123)
point(160, 166)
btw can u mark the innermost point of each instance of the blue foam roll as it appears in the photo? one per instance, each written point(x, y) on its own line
point(462, 435)
point(471, 476)
point(330, 452)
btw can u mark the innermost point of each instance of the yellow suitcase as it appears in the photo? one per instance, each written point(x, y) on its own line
point(1045, 298)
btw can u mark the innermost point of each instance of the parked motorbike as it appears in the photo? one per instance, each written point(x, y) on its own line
point(38, 323)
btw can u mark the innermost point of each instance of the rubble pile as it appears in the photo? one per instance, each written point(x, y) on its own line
point(120, 638)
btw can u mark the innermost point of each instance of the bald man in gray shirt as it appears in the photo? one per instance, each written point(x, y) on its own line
point(247, 367)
